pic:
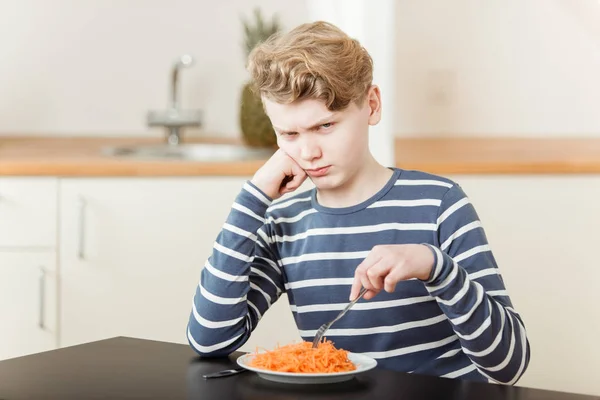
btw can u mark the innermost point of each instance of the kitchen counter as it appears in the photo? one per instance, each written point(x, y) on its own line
point(82, 156)
point(500, 155)
point(122, 368)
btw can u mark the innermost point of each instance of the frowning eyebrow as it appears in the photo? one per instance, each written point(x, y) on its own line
point(315, 126)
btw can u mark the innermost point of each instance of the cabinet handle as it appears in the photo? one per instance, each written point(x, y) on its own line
point(42, 313)
point(81, 244)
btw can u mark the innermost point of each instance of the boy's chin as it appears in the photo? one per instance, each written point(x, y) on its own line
point(326, 182)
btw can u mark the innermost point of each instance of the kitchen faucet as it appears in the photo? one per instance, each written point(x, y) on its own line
point(175, 118)
point(184, 61)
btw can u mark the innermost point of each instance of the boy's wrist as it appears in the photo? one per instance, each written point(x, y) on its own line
point(435, 265)
point(260, 191)
point(262, 186)
point(253, 199)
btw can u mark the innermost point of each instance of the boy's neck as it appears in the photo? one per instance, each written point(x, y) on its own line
point(368, 180)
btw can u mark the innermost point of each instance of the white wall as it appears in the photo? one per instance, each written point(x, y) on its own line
point(466, 67)
point(498, 67)
point(97, 66)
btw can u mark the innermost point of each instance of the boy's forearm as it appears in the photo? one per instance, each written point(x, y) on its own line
point(491, 333)
point(224, 309)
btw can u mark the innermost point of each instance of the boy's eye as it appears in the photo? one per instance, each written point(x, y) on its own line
point(327, 125)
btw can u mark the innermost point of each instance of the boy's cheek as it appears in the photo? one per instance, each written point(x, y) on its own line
point(287, 149)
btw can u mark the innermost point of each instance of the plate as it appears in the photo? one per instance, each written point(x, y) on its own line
point(362, 362)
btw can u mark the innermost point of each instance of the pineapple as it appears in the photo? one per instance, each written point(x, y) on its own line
point(255, 125)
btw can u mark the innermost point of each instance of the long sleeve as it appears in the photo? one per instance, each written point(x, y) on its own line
point(469, 289)
point(239, 282)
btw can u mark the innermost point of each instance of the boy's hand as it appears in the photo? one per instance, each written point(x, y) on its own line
point(387, 265)
point(279, 175)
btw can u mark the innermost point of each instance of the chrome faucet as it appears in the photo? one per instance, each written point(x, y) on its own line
point(174, 118)
point(184, 61)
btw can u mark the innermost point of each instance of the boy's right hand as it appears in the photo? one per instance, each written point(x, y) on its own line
point(279, 175)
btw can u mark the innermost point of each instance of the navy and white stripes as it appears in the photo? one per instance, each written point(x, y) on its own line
point(458, 324)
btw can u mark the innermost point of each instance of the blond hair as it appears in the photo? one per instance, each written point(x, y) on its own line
point(313, 61)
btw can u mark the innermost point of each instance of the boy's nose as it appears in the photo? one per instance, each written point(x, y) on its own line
point(310, 151)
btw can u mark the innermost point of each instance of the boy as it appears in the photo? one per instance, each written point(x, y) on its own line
point(435, 304)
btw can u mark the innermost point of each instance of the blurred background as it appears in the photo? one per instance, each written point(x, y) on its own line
point(126, 132)
point(459, 68)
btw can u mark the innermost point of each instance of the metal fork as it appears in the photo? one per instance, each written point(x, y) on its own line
point(326, 326)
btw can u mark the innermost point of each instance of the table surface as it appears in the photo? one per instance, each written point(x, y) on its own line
point(126, 368)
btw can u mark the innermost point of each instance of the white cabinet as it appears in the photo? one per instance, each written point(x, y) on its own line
point(131, 252)
point(544, 233)
point(28, 299)
point(28, 284)
point(28, 212)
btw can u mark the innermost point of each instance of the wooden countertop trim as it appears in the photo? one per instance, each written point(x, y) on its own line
point(500, 155)
point(81, 157)
point(126, 169)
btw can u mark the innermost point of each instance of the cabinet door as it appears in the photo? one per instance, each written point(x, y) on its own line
point(543, 231)
point(28, 208)
point(131, 252)
point(27, 303)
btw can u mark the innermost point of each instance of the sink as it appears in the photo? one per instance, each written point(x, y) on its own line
point(175, 118)
point(191, 152)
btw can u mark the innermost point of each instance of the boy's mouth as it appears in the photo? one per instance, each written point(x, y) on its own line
point(318, 171)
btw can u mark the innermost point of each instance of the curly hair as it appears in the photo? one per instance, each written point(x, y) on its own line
point(313, 61)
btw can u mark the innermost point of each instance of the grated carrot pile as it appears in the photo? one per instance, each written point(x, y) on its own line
point(301, 357)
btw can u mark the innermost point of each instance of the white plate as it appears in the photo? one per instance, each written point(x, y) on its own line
point(363, 363)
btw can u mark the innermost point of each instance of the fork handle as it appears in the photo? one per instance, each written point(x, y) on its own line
point(226, 372)
point(345, 310)
point(353, 302)
point(325, 327)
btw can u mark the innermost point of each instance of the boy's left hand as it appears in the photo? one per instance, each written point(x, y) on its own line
point(386, 265)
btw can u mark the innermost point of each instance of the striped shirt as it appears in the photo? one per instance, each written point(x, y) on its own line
point(459, 323)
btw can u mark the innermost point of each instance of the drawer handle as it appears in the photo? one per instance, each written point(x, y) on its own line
point(42, 310)
point(81, 243)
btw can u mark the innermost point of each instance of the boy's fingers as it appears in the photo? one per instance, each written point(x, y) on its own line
point(360, 275)
point(379, 270)
point(356, 285)
point(370, 294)
point(299, 175)
point(391, 280)
point(296, 182)
point(294, 179)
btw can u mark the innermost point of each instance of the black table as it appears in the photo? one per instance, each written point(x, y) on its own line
point(125, 368)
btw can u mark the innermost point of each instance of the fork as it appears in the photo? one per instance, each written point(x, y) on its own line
point(327, 325)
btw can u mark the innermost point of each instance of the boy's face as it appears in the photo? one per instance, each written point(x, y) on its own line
point(330, 146)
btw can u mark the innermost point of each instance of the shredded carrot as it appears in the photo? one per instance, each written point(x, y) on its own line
point(301, 357)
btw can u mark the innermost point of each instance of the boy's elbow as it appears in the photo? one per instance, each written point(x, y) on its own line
point(523, 362)
point(197, 341)
point(211, 354)
point(210, 351)
point(527, 350)
point(513, 372)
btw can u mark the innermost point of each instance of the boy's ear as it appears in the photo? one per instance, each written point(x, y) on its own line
point(374, 104)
